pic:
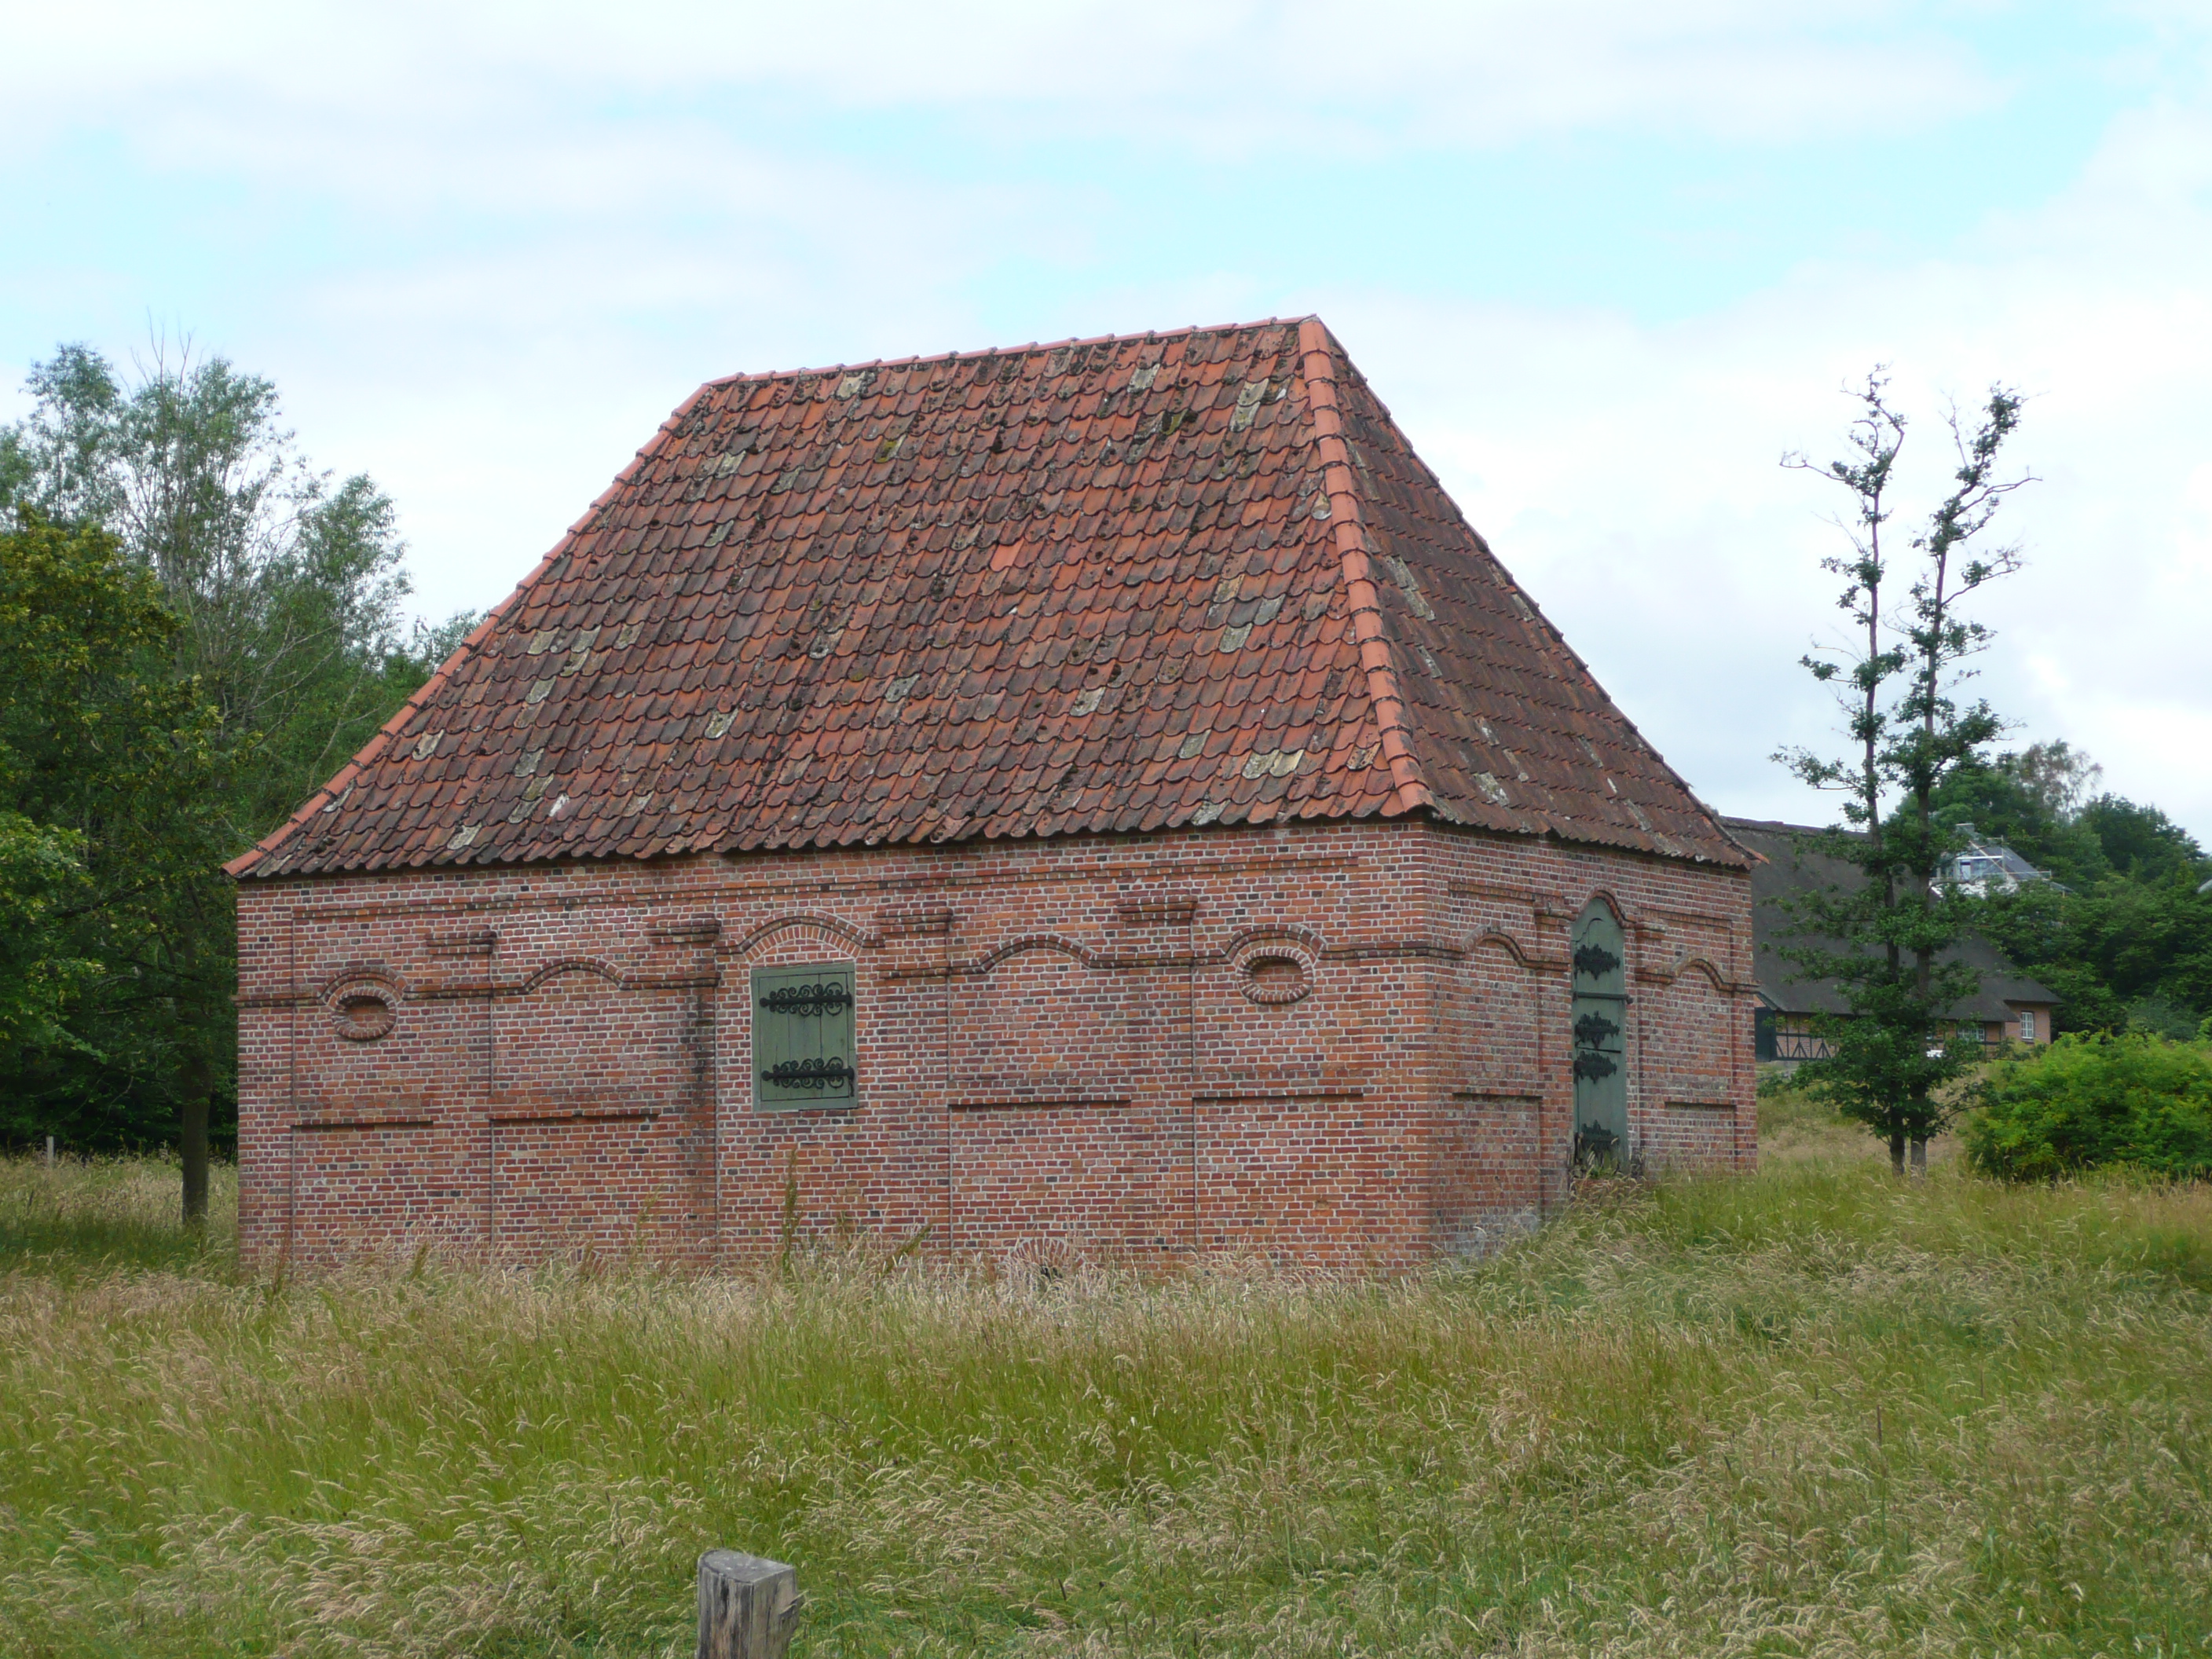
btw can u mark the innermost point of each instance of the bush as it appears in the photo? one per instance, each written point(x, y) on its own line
point(2139, 1101)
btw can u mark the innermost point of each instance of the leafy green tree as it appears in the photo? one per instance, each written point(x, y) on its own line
point(281, 588)
point(42, 876)
point(2141, 842)
point(2126, 939)
point(2058, 936)
point(111, 778)
point(1883, 941)
point(289, 585)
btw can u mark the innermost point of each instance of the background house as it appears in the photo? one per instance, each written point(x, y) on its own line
point(1986, 865)
point(2010, 1008)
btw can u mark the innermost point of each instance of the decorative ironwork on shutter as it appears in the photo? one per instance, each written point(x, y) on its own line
point(804, 1052)
point(1599, 1031)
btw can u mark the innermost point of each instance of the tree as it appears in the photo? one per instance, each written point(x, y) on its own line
point(281, 590)
point(1898, 682)
point(2141, 842)
point(2122, 934)
point(41, 875)
point(288, 585)
point(111, 774)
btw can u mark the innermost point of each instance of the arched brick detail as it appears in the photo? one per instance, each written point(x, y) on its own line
point(1304, 938)
point(1012, 947)
point(1513, 947)
point(1720, 981)
point(836, 928)
point(1628, 919)
point(560, 965)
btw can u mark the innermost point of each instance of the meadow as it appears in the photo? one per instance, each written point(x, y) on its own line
point(1809, 1412)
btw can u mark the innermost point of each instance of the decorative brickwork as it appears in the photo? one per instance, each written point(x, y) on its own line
point(1060, 1047)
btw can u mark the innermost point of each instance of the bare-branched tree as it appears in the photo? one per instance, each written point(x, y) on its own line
point(1888, 941)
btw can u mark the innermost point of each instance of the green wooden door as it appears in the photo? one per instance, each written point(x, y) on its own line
point(1600, 1032)
point(803, 1051)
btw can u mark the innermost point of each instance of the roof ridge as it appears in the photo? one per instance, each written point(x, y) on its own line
point(981, 352)
point(1317, 353)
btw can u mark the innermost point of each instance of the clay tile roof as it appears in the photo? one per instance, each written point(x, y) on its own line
point(1120, 584)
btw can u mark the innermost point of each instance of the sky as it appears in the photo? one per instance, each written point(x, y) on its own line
point(1606, 261)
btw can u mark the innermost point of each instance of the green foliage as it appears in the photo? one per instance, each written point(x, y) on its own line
point(2140, 1101)
point(111, 775)
point(1884, 941)
point(1802, 1411)
point(2160, 1017)
point(2125, 937)
point(42, 875)
point(170, 701)
point(287, 583)
point(94, 1215)
point(2143, 843)
point(2122, 942)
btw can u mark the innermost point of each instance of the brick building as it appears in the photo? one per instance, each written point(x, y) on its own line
point(1099, 797)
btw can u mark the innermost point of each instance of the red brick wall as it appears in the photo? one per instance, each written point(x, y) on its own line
point(1343, 1044)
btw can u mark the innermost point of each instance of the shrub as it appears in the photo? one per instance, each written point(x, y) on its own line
point(2139, 1101)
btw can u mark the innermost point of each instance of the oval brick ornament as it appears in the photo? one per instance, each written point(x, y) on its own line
point(364, 1013)
point(1272, 974)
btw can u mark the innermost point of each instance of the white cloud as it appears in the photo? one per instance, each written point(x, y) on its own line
point(1231, 73)
point(1627, 474)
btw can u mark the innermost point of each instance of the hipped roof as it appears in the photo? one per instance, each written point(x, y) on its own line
point(1113, 585)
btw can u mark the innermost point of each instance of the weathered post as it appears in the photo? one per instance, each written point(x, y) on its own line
point(747, 1606)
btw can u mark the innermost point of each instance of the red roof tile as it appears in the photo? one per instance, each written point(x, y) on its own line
point(1116, 584)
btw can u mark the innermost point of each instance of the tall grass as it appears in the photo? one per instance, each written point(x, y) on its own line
point(1809, 1412)
point(112, 1212)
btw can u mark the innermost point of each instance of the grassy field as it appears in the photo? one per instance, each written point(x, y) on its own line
point(1809, 1412)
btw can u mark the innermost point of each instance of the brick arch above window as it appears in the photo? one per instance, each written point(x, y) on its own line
point(1612, 901)
point(813, 923)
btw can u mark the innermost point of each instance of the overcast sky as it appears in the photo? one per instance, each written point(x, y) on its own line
point(1605, 260)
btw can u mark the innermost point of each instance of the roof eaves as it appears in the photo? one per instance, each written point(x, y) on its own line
point(1318, 366)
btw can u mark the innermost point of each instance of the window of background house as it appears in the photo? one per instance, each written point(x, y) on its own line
point(2027, 1025)
point(803, 1046)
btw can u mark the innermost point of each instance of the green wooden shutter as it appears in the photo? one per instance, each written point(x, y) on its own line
point(803, 1049)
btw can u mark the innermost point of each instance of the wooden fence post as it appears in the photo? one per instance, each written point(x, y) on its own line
point(747, 1606)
